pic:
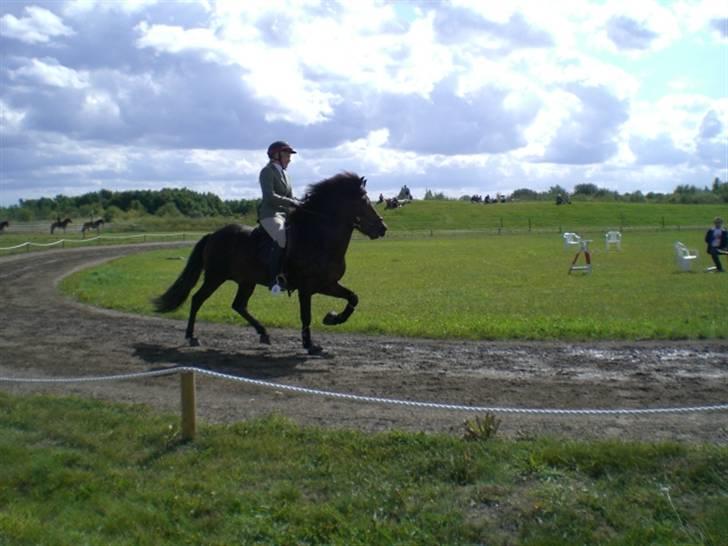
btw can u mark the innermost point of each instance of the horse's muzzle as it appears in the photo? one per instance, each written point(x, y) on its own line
point(372, 230)
point(379, 231)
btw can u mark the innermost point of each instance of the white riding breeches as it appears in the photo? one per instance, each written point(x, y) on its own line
point(275, 226)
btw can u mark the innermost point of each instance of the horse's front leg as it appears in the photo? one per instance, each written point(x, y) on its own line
point(304, 302)
point(337, 291)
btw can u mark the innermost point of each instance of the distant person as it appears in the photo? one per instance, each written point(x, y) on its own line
point(277, 202)
point(717, 240)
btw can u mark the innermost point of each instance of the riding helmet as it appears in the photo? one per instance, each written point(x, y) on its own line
point(279, 146)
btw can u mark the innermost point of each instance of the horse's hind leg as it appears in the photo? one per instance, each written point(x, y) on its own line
point(206, 290)
point(338, 291)
point(240, 304)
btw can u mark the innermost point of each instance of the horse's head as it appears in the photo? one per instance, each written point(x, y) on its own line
point(366, 218)
point(344, 197)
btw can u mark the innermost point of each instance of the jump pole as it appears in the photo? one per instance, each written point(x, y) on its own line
point(189, 413)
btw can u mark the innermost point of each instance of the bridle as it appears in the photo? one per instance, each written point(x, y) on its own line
point(355, 224)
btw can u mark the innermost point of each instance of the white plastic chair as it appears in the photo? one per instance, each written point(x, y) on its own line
point(571, 239)
point(684, 256)
point(613, 238)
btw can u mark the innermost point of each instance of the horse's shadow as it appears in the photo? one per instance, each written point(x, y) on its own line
point(261, 365)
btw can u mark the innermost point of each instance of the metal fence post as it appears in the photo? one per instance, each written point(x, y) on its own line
point(189, 413)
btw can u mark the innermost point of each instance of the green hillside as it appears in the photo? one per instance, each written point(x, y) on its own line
point(540, 216)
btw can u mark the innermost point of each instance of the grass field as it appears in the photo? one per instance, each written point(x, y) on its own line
point(588, 217)
point(425, 217)
point(472, 287)
point(83, 472)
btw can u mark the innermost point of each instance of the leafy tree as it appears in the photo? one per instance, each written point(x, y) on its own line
point(113, 213)
point(169, 209)
point(524, 194)
point(635, 197)
point(586, 189)
point(439, 196)
point(556, 190)
point(404, 193)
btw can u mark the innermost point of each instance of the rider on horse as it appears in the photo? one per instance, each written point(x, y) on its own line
point(277, 202)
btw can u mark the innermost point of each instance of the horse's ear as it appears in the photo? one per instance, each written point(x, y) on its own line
point(363, 182)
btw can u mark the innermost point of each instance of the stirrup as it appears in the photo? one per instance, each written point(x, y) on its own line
point(280, 285)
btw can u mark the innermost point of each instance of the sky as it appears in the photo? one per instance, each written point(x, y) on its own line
point(458, 97)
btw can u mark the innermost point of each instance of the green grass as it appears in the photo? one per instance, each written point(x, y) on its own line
point(582, 216)
point(438, 216)
point(82, 472)
point(470, 287)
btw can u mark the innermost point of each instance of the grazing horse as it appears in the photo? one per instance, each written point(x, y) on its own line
point(319, 231)
point(61, 224)
point(95, 224)
point(4, 224)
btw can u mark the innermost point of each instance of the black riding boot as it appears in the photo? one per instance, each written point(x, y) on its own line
point(275, 267)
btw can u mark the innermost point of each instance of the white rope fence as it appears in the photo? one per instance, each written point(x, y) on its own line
point(62, 242)
point(370, 399)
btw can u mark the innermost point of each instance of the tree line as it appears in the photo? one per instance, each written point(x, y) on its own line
point(682, 194)
point(128, 205)
point(174, 202)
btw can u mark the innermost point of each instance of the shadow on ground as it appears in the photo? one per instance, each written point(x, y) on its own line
point(259, 365)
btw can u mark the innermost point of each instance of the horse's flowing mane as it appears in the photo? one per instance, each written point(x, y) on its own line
point(329, 193)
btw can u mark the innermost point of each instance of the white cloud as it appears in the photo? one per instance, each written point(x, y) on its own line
point(10, 118)
point(38, 26)
point(81, 7)
point(49, 72)
point(457, 97)
point(175, 39)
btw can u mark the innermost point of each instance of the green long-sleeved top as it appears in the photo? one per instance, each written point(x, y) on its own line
point(277, 192)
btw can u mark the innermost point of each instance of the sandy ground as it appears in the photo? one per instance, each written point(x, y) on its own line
point(45, 335)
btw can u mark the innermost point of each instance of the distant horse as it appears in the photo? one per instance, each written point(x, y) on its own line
point(4, 224)
point(392, 203)
point(95, 224)
point(319, 232)
point(61, 224)
point(476, 199)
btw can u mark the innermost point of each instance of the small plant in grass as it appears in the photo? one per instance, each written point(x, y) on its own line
point(481, 428)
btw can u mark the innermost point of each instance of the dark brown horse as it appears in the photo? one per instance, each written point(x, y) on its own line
point(319, 232)
point(4, 224)
point(94, 224)
point(60, 224)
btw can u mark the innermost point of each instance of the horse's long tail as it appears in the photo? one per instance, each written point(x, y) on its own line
point(181, 288)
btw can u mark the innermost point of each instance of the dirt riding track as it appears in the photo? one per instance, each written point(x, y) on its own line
point(43, 334)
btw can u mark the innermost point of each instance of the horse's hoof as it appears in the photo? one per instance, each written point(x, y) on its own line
point(265, 339)
point(331, 319)
point(315, 350)
point(194, 342)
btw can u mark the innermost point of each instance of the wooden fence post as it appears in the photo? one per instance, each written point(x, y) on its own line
point(189, 413)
